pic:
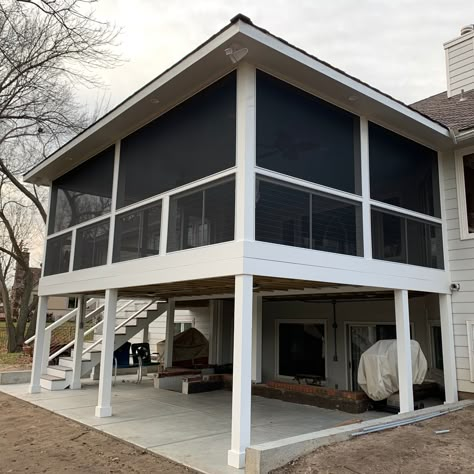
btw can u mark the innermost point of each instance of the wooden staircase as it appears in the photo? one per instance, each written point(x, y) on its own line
point(59, 377)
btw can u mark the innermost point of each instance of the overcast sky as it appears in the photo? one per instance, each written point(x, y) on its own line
point(396, 46)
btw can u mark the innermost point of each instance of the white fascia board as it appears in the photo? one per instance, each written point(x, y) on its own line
point(281, 261)
point(142, 94)
point(330, 72)
point(212, 261)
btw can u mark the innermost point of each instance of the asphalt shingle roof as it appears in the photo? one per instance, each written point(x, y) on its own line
point(454, 112)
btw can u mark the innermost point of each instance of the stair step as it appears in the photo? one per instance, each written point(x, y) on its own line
point(60, 367)
point(52, 378)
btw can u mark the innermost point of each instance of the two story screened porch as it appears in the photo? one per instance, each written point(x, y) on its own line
point(252, 177)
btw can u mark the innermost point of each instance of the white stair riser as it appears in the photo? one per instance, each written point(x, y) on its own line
point(92, 359)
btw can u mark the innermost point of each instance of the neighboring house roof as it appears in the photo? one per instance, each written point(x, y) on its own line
point(455, 112)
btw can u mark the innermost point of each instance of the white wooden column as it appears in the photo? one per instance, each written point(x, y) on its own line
point(405, 377)
point(104, 407)
point(37, 367)
point(242, 373)
point(449, 355)
point(169, 340)
point(78, 344)
point(46, 350)
point(365, 187)
point(257, 339)
point(245, 153)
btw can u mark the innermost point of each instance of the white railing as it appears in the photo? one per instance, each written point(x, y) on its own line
point(61, 320)
point(86, 333)
point(121, 325)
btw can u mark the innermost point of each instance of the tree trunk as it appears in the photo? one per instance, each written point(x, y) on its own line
point(24, 311)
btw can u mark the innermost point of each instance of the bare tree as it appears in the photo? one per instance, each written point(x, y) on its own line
point(47, 47)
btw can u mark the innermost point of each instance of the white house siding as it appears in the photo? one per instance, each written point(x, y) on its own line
point(199, 317)
point(461, 264)
point(460, 64)
point(422, 310)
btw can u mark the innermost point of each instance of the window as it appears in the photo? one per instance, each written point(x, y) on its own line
point(301, 349)
point(404, 239)
point(137, 233)
point(58, 253)
point(191, 141)
point(402, 172)
point(91, 245)
point(437, 346)
point(465, 188)
point(82, 194)
point(298, 217)
point(72, 303)
point(306, 137)
point(202, 217)
point(181, 327)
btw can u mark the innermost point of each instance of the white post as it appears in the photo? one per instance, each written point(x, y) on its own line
point(78, 344)
point(365, 187)
point(104, 407)
point(168, 356)
point(146, 334)
point(405, 377)
point(46, 350)
point(165, 210)
point(257, 339)
point(242, 374)
point(37, 367)
point(245, 153)
point(449, 356)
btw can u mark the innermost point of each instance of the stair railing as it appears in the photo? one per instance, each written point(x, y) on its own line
point(61, 320)
point(97, 311)
point(121, 325)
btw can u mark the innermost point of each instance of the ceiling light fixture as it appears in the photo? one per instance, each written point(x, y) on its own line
point(235, 55)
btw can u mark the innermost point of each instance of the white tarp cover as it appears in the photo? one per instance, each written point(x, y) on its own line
point(378, 368)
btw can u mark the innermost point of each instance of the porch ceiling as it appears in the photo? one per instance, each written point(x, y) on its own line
point(219, 286)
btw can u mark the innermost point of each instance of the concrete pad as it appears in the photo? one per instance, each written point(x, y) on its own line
point(194, 430)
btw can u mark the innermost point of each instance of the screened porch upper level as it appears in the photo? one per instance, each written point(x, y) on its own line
point(251, 159)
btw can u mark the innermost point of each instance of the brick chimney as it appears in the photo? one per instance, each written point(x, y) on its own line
point(460, 62)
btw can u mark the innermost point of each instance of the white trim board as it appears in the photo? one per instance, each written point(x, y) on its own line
point(461, 192)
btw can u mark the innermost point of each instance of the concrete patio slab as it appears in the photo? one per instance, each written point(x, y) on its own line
point(193, 430)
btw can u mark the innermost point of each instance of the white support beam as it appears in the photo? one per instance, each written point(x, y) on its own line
point(46, 351)
point(78, 344)
point(113, 207)
point(257, 339)
point(449, 356)
point(242, 374)
point(165, 210)
point(169, 340)
point(245, 153)
point(104, 407)
point(37, 367)
point(405, 374)
point(365, 187)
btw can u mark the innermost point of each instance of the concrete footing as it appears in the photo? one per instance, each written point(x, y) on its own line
point(13, 377)
point(262, 458)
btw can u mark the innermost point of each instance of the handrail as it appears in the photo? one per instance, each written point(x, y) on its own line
point(71, 343)
point(121, 325)
point(61, 320)
point(97, 310)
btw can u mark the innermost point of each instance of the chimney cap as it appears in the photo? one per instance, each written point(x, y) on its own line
point(467, 29)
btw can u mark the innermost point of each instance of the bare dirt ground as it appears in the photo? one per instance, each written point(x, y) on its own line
point(413, 449)
point(34, 440)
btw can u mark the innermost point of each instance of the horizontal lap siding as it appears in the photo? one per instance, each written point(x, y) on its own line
point(460, 59)
point(461, 264)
